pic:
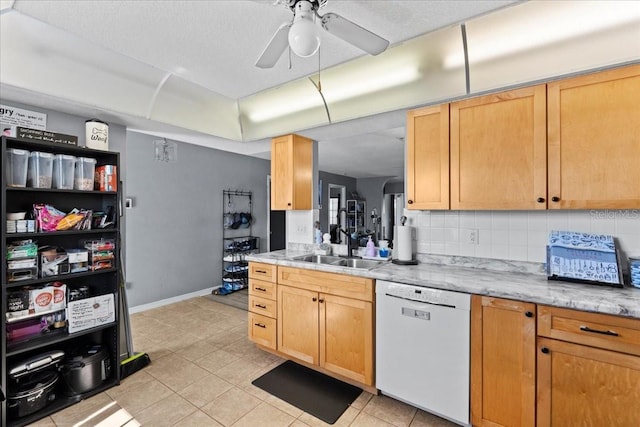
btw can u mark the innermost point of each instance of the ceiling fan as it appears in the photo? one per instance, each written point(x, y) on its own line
point(302, 33)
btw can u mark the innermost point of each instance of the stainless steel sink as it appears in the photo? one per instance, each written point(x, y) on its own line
point(357, 263)
point(319, 259)
point(339, 261)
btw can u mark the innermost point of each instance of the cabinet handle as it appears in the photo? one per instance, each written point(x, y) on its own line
point(261, 271)
point(545, 350)
point(261, 306)
point(288, 204)
point(321, 300)
point(596, 331)
point(314, 299)
point(261, 289)
point(410, 202)
point(528, 314)
point(555, 199)
point(260, 325)
point(540, 200)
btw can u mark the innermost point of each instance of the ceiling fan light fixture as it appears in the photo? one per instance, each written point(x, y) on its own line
point(303, 37)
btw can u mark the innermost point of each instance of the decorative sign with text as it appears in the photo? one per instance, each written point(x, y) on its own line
point(13, 116)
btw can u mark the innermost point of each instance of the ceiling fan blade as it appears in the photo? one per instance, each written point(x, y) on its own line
point(275, 47)
point(354, 34)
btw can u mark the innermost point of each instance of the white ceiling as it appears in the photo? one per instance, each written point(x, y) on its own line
point(213, 45)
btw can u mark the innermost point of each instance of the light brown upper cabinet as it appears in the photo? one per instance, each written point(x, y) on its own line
point(428, 158)
point(594, 140)
point(498, 151)
point(291, 173)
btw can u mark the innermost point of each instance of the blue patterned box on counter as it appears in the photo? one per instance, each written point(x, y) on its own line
point(583, 257)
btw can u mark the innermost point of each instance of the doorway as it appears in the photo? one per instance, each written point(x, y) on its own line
point(336, 213)
point(276, 224)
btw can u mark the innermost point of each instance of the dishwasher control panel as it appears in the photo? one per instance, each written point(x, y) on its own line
point(424, 294)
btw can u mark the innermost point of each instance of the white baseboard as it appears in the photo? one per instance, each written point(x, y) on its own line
point(156, 304)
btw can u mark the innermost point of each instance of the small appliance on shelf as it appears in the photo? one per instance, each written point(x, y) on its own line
point(583, 257)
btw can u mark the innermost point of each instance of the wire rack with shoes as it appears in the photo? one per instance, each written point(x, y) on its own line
point(237, 240)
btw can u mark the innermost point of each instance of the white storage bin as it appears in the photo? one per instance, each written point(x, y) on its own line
point(40, 170)
point(63, 171)
point(85, 173)
point(17, 161)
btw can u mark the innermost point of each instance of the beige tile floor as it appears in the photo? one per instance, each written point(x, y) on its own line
point(201, 372)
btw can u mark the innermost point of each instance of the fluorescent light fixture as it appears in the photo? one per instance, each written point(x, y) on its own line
point(348, 88)
point(338, 89)
point(537, 24)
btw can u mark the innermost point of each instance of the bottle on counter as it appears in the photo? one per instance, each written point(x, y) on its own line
point(370, 249)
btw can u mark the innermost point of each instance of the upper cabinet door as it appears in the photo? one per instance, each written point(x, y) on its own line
point(291, 173)
point(594, 141)
point(498, 151)
point(428, 158)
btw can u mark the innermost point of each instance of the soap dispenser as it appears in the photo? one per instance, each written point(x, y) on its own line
point(371, 248)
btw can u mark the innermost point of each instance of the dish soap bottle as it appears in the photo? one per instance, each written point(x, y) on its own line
point(371, 248)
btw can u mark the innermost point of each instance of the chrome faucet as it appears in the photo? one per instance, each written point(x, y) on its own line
point(349, 243)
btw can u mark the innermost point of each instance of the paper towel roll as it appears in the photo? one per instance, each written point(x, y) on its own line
point(403, 245)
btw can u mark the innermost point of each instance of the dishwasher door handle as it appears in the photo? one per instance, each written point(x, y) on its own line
point(421, 302)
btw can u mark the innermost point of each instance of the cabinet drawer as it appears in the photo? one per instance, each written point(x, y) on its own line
point(592, 329)
point(262, 306)
point(262, 330)
point(262, 271)
point(330, 283)
point(262, 289)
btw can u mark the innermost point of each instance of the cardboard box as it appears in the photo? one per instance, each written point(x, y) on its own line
point(42, 299)
point(107, 178)
point(17, 304)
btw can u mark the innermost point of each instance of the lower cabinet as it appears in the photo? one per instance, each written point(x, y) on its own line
point(503, 383)
point(330, 331)
point(588, 369)
point(322, 319)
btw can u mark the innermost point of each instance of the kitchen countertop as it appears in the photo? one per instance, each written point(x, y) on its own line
point(518, 285)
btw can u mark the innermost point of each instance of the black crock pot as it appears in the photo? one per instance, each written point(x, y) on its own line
point(85, 369)
point(32, 393)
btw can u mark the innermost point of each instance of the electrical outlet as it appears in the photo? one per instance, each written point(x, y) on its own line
point(470, 236)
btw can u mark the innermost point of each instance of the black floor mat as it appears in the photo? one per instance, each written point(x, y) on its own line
point(317, 394)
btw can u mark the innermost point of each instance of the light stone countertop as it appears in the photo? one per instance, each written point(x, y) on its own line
point(490, 277)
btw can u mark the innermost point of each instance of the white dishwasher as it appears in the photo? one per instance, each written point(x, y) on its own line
point(422, 348)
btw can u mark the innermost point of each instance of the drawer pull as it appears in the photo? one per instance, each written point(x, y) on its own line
point(261, 289)
point(545, 350)
point(261, 306)
point(260, 325)
point(596, 331)
point(261, 271)
point(528, 314)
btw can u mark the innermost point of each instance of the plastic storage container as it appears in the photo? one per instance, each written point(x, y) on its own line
point(40, 170)
point(634, 270)
point(85, 173)
point(17, 161)
point(63, 171)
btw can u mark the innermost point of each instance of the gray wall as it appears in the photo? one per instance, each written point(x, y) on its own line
point(330, 178)
point(174, 236)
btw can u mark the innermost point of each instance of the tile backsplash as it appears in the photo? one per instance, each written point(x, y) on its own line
point(516, 235)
